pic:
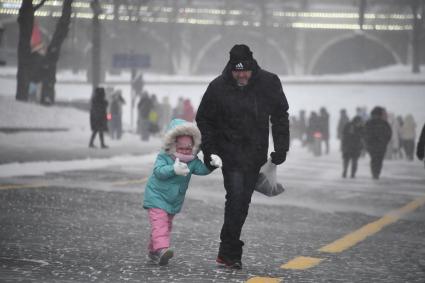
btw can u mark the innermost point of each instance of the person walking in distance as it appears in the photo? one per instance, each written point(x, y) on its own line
point(408, 136)
point(144, 107)
point(377, 135)
point(116, 113)
point(324, 127)
point(233, 117)
point(343, 120)
point(352, 145)
point(98, 119)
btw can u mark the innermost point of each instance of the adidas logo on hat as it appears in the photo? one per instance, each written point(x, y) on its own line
point(239, 66)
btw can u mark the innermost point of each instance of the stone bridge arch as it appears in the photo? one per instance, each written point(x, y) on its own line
point(255, 40)
point(320, 62)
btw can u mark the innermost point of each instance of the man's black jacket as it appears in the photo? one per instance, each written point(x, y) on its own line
point(234, 121)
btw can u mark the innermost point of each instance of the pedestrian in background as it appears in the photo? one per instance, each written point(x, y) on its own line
point(420, 148)
point(393, 146)
point(188, 111)
point(362, 112)
point(408, 136)
point(115, 109)
point(144, 108)
point(137, 82)
point(153, 116)
point(343, 120)
point(302, 127)
point(166, 188)
point(233, 117)
point(98, 119)
point(165, 113)
point(352, 145)
point(377, 135)
point(314, 134)
point(324, 127)
point(294, 127)
point(179, 109)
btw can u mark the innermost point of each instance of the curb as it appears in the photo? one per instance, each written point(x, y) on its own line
point(17, 130)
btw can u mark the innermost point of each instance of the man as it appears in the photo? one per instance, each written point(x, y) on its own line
point(377, 135)
point(234, 121)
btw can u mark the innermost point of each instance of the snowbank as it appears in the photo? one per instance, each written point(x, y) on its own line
point(30, 115)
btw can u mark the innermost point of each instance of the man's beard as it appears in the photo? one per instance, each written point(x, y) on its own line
point(241, 84)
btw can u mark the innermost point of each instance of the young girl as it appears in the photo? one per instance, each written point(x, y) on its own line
point(166, 187)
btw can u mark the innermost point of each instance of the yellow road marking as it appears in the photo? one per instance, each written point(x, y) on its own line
point(264, 280)
point(21, 186)
point(138, 181)
point(371, 228)
point(347, 241)
point(302, 262)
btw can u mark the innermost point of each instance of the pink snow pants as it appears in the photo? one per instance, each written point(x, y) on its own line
point(161, 224)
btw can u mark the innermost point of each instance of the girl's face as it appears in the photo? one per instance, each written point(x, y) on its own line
point(184, 145)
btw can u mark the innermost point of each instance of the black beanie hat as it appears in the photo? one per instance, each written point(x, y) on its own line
point(241, 58)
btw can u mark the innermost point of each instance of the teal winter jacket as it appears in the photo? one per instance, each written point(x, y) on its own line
point(165, 189)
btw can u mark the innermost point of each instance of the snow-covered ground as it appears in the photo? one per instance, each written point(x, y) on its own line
point(30, 115)
point(15, 114)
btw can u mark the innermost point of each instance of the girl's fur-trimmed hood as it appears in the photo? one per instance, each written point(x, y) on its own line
point(180, 127)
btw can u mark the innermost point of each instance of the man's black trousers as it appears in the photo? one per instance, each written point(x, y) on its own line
point(239, 185)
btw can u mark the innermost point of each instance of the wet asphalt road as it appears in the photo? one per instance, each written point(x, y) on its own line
point(89, 226)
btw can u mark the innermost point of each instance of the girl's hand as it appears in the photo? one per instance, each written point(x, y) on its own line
point(180, 168)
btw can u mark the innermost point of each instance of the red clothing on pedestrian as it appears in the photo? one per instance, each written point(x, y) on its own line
point(188, 112)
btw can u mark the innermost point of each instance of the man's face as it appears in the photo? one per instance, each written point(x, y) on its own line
point(242, 77)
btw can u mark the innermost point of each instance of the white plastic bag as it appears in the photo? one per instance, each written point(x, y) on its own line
point(267, 183)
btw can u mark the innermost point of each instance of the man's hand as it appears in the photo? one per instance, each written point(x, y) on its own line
point(216, 161)
point(278, 157)
point(180, 168)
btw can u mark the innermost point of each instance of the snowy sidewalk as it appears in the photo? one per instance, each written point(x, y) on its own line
point(70, 145)
point(31, 135)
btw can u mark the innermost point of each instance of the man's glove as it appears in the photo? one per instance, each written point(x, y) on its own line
point(216, 161)
point(278, 157)
point(180, 168)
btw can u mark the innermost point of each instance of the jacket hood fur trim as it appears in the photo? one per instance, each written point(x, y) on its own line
point(179, 127)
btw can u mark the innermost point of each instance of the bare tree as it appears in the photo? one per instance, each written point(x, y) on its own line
point(50, 60)
point(25, 22)
point(28, 63)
